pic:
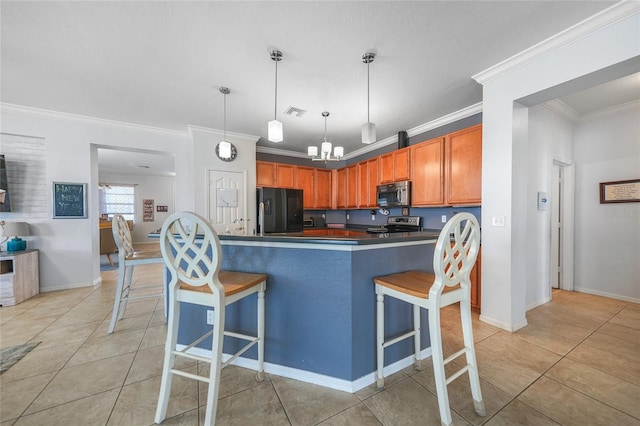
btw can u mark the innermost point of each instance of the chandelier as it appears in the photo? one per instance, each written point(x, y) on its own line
point(325, 148)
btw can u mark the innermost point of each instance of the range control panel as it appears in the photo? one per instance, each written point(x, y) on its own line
point(404, 220)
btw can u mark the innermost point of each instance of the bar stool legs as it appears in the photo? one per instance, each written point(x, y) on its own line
point(454, 256)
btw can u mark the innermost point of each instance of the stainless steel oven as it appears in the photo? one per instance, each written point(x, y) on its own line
point(395, 194)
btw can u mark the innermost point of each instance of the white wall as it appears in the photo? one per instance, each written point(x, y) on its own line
point(204, 143)
point(504, 274)
point(69, 248)
point(607, 240)
point(160, 189)
point(550, 138)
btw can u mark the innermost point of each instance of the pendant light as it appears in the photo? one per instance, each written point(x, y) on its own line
point(223, 149)
point(325, 148)
point(275, 127)
point(368, 128)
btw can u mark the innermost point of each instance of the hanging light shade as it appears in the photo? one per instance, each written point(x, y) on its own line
point(275, 127)
point(368, 128)
point(224, 146)
point(325, 148)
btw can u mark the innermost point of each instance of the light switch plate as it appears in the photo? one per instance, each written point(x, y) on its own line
point(497, 221)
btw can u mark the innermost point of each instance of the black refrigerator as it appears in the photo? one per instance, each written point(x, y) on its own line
point(279, 209)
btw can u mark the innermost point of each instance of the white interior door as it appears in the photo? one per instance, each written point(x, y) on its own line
point(227, 201)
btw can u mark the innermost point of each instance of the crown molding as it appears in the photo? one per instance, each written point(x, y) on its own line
point(614, 110)
point(562, 109)
point(603, 19)
point(230, 135)
point(21, 109)
point(283, 152)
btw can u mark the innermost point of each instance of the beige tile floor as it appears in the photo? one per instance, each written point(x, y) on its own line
point(576, 363)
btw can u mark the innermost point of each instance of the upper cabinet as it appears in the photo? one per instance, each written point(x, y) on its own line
point(427, 168)
point(340, 189)
point(305, 180)
point(323, 195)
point(352, 186)
point(447, 171)
point(285, 175)
point(395, 166)
point(265, 174)
point(316, 183)
point(275, 175)
point(367, 181)
point(463, 167)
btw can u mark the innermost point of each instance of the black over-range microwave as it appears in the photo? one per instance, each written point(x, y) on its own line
point(395, 194)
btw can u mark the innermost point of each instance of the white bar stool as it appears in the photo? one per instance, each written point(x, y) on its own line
point(127, 259)
point(196, 278)
point(454, 256)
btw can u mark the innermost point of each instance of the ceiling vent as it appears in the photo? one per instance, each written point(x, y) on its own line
point(295, 111)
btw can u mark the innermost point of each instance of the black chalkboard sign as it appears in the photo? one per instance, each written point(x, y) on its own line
point(69, 200)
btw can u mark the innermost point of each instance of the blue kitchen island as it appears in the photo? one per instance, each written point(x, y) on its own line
point(320, 304)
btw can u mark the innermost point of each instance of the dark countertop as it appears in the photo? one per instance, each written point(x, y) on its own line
point(365, 239)
point(299, 237)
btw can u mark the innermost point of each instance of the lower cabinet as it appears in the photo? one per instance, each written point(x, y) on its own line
point(19, 276)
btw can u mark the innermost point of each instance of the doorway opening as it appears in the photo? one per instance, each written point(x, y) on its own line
point(562, 226)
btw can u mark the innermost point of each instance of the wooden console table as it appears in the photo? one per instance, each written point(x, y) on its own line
point(19, 276)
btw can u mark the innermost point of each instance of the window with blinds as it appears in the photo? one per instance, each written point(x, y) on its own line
point(117, 199)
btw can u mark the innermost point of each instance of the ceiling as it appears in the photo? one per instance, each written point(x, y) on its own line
point(161, 63)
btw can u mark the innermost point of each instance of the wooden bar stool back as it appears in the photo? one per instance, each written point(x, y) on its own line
point(454, 256)
point(196, 278)
point(127, 259)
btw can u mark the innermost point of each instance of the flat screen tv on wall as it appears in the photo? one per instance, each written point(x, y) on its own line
point(5, 206)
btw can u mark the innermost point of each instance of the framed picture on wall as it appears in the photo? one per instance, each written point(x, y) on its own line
point(147, 210)
point(69, 200)
point(620, 191)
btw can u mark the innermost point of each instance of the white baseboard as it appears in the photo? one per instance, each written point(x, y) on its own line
point(605, 294)
point(94, 284)
point(314, 378)
point(503, 325)
point(538, 303)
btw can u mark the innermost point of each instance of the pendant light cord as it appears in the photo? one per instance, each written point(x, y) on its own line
point(225, 117)
point(275, 106)
point(368, 120)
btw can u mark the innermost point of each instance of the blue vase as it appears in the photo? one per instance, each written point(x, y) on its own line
point(17, 244)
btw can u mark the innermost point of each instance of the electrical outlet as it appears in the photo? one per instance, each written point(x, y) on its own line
point(347, 216)
point(444, 218)
point(209, 317)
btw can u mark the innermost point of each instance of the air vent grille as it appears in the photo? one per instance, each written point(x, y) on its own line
point(295, 111)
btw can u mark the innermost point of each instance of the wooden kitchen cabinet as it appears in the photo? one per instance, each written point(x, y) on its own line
point(265, 174)
point(427, 168)
point(463, 167)
point(323, 195)
point(395, 166)
point(305, 180)
point(340, 188)
point(352, 186)
point(275, 175)
point(285, 175)
point(447, 171)
point(316, 184)
point(368, 180)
